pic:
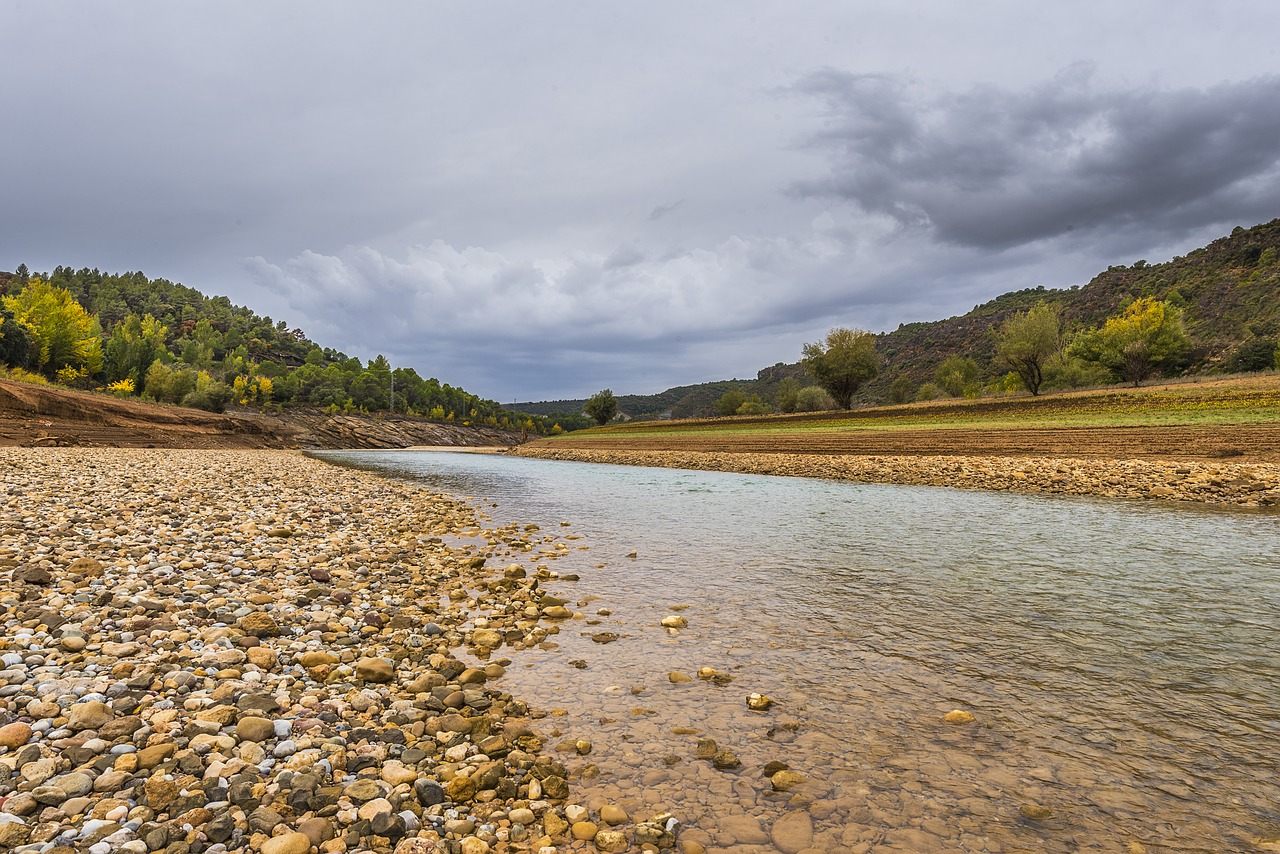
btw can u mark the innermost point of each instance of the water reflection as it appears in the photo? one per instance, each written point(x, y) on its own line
point(1120, 657)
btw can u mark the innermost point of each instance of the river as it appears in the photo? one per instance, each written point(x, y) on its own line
point(1120, 659)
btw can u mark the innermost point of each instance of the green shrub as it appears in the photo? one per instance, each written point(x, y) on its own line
point(814, 399)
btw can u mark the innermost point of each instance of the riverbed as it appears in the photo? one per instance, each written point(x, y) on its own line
point(1118, 659)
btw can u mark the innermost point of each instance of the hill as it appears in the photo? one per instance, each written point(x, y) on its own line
point(166, 342)
point(1229, 292)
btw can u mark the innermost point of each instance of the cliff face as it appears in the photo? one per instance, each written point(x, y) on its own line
point(42, 415)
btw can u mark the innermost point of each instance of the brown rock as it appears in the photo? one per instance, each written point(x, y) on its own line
point(120, 728)
point(611, 841)
point(255, 729)
point(14, 735)
point(259, 624)
point(86, 566)
point(260, 656)
point(287, 843)
point(149, 757)
point(378, 670)
point(792, 833)
point(554, 825)
point(584, 830)
point(161, 793)
point(89, 715)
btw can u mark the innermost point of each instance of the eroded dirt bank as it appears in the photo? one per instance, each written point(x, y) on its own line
point(33, 415)
point(1208, 482)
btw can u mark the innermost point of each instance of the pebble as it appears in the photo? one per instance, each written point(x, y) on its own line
point(223, 645)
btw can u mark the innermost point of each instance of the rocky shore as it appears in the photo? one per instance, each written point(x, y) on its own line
point(1217, 482)
point(208, 652)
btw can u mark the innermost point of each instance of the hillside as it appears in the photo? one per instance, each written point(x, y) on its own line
point(166, 342)
point(1229, 292)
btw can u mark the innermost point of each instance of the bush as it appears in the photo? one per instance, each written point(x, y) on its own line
point(1064, 371)
point(902, 389)
point(958, 376)
point(1256, 354)
point(730, 402)
point(930, 391)
point(208, 394)
point(121, 388)
point(814, 399)
point(754, 406)
point(23, 376)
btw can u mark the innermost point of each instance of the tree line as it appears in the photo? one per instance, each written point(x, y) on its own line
point(165, 342)
point(1034, 351)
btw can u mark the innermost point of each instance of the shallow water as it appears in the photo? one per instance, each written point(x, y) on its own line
point(1120, 658)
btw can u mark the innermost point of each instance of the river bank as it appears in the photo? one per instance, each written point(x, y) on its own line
point(46, 416)
point(1218, 482)
point(224, 652)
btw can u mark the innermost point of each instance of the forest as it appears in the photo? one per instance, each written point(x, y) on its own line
point(132, 336)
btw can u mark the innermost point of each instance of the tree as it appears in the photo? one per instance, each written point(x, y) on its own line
point(753, 405)
point(63, 335)
point(842, 363)
point(602, 407)
point(788, 394)
point(730, 402)
point(1137, 343)
point(902, 389)
point(1027, 341)
point(15, 340)
point(134, 345)
point(956, 375)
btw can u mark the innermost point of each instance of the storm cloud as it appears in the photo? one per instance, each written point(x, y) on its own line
point(992, 167)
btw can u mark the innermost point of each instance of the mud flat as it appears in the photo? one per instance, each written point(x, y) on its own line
point(1217, 482)
point(206, 652)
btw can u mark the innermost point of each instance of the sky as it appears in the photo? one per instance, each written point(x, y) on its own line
point(536, 201)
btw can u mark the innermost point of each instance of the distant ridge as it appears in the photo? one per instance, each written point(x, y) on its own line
point(1229, 292)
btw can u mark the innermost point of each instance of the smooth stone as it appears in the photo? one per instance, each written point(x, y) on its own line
point(612, 814)
point(958, 716)
point(378, 670)
point(89, 715)
point(792, 833)
point(255, 730)
point(292, 842)
point(15, 735)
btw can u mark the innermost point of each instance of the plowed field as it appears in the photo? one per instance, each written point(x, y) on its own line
point(1227, 419)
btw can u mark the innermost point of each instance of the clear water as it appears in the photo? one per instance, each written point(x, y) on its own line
point(1122, 659)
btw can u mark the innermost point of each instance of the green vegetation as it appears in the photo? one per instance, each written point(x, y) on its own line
point(134, 336)
point(1239, 401)
point(1146, 338)
point(602, 407)
point(843, 362)
point(1027, 341)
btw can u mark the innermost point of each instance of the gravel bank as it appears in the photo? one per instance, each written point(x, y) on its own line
point(1240, 484)
point(206, 652)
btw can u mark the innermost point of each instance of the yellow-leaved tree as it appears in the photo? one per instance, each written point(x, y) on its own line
point(1136, 344)
point(66, 340)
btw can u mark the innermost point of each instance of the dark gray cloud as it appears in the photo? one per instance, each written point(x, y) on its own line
point(995, 167)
